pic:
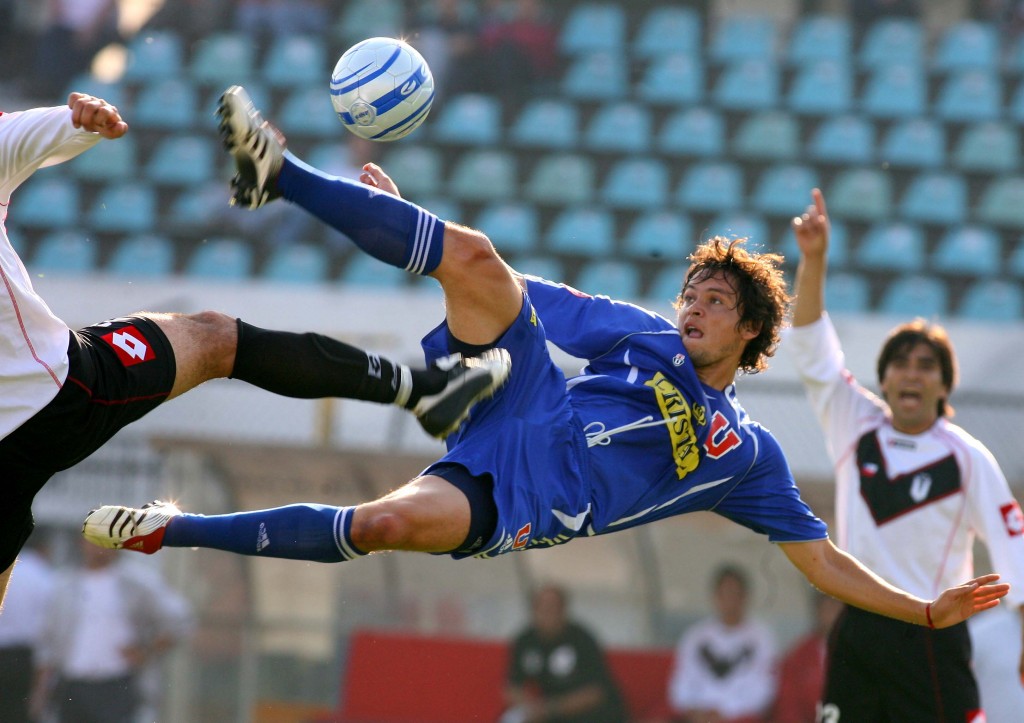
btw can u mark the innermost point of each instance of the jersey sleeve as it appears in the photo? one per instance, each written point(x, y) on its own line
point(587, 326)
point(768, 501)
point(996, 517)
point(843, 407)
point(36, 138)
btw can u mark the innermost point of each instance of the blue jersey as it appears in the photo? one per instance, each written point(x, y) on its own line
point(634, 438)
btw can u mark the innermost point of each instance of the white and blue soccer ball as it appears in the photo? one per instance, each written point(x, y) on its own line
point(382, 89)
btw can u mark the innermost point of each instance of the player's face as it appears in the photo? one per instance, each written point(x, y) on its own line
point(912, 385)
point(708, 319)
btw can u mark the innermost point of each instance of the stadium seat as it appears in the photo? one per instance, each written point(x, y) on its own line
point(363, 270)
point(914, 143)
point(847, 293)
point(337, 158)
point(1002, 203)
point(743, 37)
point(845, 139)
point(994, 300)
point(298, 263)
point(296, 60)
point(307, 113)
point(126, 207)
point(668, 29)
point(484, 175)
point(64, 252)
point(968, 251)
point(892, 246)
point(197, 209)
point(143, 256)
point(561, 179)
point(784, 190)
point(664, 288)
point(767, 135)
point(1014, 61)
point(967, 44)
point(47, 201)
point(838, 246)
point(167, 104)
point(697, 131)
point(987, 147)
point(747, 85)
point(820, 37)
point(617, 279)
point(711, 186)
point(107, 161)
point(936, 197)
point(969, 96)
point(895, 91)
point(586, 232)
point(442, 206)
point(153, 54)
point(740, 224)
point(593, 26)
point(223, 258)
point(1015, 264)
point(223, 59)
point(664, 235)
point(418, 170)
point(471, 119)
point(546, 267)
point(512, 227)
point(596, 76)
point(673, 79)
point(823, 87)
point(547, 123)
point(619, 127)
point(861, 194)
point(113, 91)
point(915, 295)
point(369, 19)
point(182, 160)
point(892, 41)
point(638, 184)
point(1016, 108)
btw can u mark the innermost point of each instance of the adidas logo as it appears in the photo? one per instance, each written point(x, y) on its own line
point(262, 538)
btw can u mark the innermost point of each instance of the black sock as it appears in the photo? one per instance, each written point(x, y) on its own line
point(312, 366)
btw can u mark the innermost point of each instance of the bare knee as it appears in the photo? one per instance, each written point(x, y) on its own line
point(204, 346)
point(470, 254)
point(374, 529)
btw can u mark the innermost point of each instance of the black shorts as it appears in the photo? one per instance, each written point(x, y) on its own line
point(119, 370)
point(880, 669)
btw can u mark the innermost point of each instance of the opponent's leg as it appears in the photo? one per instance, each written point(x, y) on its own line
point(426, 515)
point(481, 293)
point(210, 345)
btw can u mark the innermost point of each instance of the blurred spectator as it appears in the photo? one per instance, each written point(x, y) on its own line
point(724, 666)
point(21, 626)
point(445, 33)
point(520, 52)
point(105, 625)
point(557, 671)
point(802, 669)
point(74, 32)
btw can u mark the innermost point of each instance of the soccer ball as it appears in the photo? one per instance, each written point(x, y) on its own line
point(382, 89)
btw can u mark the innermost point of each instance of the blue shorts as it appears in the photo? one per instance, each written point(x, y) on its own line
point(528, 440)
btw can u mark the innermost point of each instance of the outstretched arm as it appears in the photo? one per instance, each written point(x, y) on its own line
point(812, 234)
point(840, 575)
point(96, 116)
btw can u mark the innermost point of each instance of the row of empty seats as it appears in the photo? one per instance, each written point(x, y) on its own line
point(232, 259)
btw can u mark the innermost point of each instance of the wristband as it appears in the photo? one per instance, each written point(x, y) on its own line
point(928, 615)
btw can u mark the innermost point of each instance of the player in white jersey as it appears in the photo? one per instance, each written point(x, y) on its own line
point(64, 393)
point(913, 492)
point(652, 427)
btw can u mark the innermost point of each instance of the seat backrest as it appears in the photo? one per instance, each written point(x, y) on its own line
point(296, 60)
point(1002, 202)
point(127, 206)
point(593, 26)
point(892, 246)
point(711, 186)
point(513, 227)
point(469, 119)
point(637, 184)
point(743, 37)
point(561, 179)
point(847, 293)
point(547, 123)
point(621, 126)
point(182, 160)
point(223, 58)
point(783, 190)
point(824, 87)
point(915, 143)
point(767, 135)
point(675, 78)
point(863, 194)
point(915, 295)
point(65, 252)
point(418, 170)
point(697, 131)
point(843, 139)
point(970, 95)
point(668, 29)
point(659, 235)
point(994, 300)
point(968, 251)
point(967, 44)
point(596, 76)
point(144, 255)
point(747, 85)
point(936, 197)
point(297, 263)
point(740, 224)
point(221, 258)
point(153, 54)
point(820, 37)
point(892, 40)
point(988, 147)
point(582, 231)
point(484, 175)
point(170, 103)
point(617, 279)
point(895, 91)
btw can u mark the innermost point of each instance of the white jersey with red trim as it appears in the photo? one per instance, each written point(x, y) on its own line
point(908, 506)
point(33, 342)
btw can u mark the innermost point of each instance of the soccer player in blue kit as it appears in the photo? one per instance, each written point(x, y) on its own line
point(650, 429)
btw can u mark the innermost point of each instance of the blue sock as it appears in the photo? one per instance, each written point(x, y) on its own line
point(386, 227)
point(318, 533)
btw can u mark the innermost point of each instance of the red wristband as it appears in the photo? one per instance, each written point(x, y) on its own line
point(928, 615)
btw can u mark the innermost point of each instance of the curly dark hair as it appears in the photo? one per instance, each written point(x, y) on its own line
point(763, 299)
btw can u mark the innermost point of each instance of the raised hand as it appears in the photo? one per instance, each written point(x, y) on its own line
point(96, 115)
point(812, 227)
point(959, 603)
point(373, 175)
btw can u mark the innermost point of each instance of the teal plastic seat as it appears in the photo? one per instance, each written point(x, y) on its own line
point(46, 201)
point(784, 190)
point(847, 293)
point(362, 19)
point(593, 26)
point(673, 79)
point(965, 45)
point(768, 135)
point(987, 147)
point(596, 76)
point(968, 251)
point(895, 91)
point(740, 224)
point(1002, 203)
point(307, 113)
point(860, 194)
point(221, 258)
point(915, 295)
point(550, 123)
point(546, 267)
point(609, 277)
point(892, 40)
point(747, 85)
point(638, 184)
point(64, 252)
point(484, 175)
point(182, 160)
point(711, 186)
point(692, 132)
point(969, 96)
point(914, 143)
point(294, 60)
point(743, 37)
point(936, 197)
point(365, 271)
point(170, 103)
point(583, 232)
point(223, 59)
point(153, 54)
point(561, 179)
point(661, 234)
point(619, 127)
point(668, 29)
point(143, 256)
point(892, 246)
point(299, 263)
point(124, 207)
point(418, 170)
point(993, 300)
point(511, 226)
point(822, 88)
point(820, 37)
point(845, 139)
point(470, 119)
